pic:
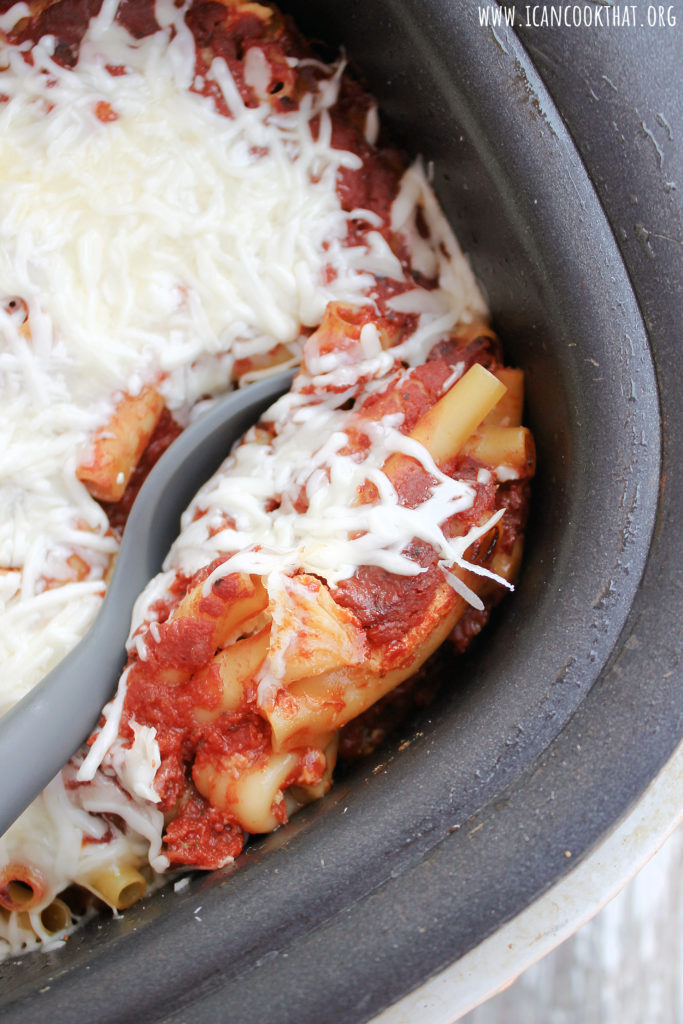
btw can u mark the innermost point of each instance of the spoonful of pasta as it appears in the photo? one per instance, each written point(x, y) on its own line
point(41, 732)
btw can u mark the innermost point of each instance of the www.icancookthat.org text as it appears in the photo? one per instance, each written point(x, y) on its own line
point(577, 15)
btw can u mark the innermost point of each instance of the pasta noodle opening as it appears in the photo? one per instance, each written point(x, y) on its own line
point(118, 885)
point(21, 888)
point(56, 917)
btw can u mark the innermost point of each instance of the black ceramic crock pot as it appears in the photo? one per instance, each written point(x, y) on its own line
point(556, 157)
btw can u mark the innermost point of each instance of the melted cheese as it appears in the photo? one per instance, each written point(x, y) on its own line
point(336, 534)
point(158, 246)
point(154, 247)
point(258, 487)
point(258, 492)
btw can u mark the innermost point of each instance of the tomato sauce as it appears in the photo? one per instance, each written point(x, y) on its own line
point(67, 21)
point(386, 605)
point(138, 17)
point(201, 834)
point(166, 431)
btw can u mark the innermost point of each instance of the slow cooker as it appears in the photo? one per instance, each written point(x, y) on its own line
point(556, 156)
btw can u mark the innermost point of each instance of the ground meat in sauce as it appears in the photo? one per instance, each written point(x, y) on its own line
point(67, 21)
point(364, 734)
point(201, 834)
point(388, 605)
point(361, 736)
point(137, 16)
point(514, 496)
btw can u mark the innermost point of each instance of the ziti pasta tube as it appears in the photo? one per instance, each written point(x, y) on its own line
point(372, 518)
point(337, 548)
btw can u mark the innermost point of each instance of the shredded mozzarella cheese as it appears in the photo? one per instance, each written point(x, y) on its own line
point(158, 244)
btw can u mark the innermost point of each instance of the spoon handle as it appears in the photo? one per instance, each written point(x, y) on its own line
point(42, 731)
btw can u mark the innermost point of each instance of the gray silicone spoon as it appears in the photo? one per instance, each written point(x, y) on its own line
point(41, 732)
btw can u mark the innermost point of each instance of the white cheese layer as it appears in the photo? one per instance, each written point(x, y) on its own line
point(335, 534)
point(149, 239)
point(155, 247)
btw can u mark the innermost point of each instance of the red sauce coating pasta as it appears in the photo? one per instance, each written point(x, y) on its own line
point(385, 605)
point(216, 727)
